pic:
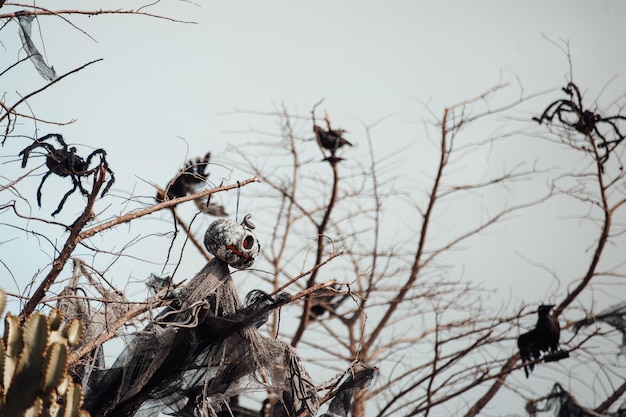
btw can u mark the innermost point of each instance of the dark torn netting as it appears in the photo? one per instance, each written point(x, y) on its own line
point(25, 22)
point(197, 353)
point(563, 404)
point(614, 316)
point(359, 376)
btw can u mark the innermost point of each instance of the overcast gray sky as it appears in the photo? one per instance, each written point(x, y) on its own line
point(166, 86)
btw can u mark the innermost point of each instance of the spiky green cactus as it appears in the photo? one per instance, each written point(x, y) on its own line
point(33, 367)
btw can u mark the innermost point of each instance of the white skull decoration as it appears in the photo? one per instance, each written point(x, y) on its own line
point(233, 243)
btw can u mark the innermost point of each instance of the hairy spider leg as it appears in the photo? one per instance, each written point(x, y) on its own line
point(566, 107)
point(77, 184)
point(41, 185)
point(105, 164)
point(26, 152)
point(111, 181)
point(57, 136)
point(572, 89)
point(100, 152)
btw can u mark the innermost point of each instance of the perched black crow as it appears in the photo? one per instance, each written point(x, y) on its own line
point(331, 139)
point(327, 300)
point(547, 330)
point(190, 180)
point(543, 338)
point(528, 350)
point(187, 179)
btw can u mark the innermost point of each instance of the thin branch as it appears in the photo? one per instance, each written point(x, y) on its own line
point(617, 394)
point(166, 204)
point(602, 239)
point(321, 230)
point(415, 269)
point(68, 248)
point(40, 11)
point(505, 371)
point(10, 110)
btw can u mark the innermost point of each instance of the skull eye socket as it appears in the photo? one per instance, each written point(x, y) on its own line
point(232, 243)
point(248, 242)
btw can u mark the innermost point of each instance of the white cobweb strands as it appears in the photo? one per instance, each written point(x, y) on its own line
point(199, 352)
point(47, 72)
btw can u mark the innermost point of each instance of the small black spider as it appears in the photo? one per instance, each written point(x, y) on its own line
point(571, 114)
point(188, 179)
point(64, 162)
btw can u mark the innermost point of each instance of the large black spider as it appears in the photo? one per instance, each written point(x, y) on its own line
point(571, 113)
point(64, 162)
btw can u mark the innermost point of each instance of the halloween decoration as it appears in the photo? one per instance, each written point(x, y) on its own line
point(330, 139)
point(205, 349)
point(603, 131)
point(190, 180)
point(187, 179)
point(64, 162)
point(359, 376)
point(25, 22)
point(560, 403)
point(614, 316)
point(543, 338)
point(233, 243)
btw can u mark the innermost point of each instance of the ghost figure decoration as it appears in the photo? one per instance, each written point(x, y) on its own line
point(234, 243)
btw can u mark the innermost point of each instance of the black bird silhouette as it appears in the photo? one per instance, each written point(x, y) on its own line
point(187, 179)
point(548, 330)
point(331, 139)
point(327, 300)
point(528, 349)
point(543, 338)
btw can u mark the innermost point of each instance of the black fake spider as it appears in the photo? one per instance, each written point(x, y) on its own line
point(64, 162)
point(571, 113)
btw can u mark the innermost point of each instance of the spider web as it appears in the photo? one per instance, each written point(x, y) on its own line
point(359, 376)
point(25, 22)
point(563, 404)
point(199, 352)
point(615, 316)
